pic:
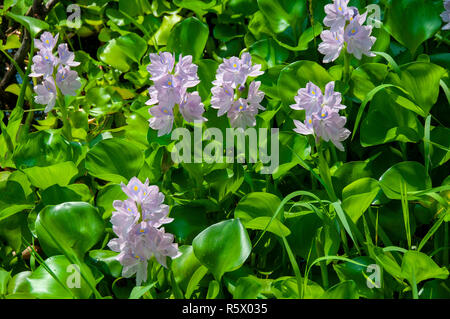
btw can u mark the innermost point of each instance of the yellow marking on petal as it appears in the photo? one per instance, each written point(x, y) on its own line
point(169, 83)
point(63, 76)
point(165, 111)
point(340, 8)
point(145, 193)
point(351, 18)
point(129, 209)
point(46, 41)
point(235, 65)
point(241, 107)
point(323, 115)
point(309, 121)
point(135, 188)
point(137, 257)
point(353, 31)
point(141, 230)
point(313, 92)
point(46, 57)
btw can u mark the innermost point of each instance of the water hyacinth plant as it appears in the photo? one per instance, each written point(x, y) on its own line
point(224, 149)
point(137, 222)
point(346, 32)
point(171, 81)
point(229, 86)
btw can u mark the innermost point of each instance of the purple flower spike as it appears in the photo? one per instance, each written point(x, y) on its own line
point(229, 86)
point(47, 41)
point(322, 114)
point(170, 91)
point(54, 70)
point(346, 29)
point(446, 15)
point(136, 222)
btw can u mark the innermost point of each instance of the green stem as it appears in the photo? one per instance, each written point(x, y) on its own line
point(67, 129)
point(325, 173)
point(346, 66)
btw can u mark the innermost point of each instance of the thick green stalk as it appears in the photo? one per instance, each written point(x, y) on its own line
point(325, 173)
point(67, 129)
point(346, 66)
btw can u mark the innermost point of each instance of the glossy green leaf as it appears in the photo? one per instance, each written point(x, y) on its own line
point(389, 121)
point(421, 81)
point(412, 22)
point(413, 174)
point(33, 25)
point(184, 266)
point(41, 284)
point(44, 177)
point(114, 160)
point(122, 51)
point(222, 247)
point(75, 226)
point(417, 266)
point(343, 290)
point(188, 38)
point(358, 196)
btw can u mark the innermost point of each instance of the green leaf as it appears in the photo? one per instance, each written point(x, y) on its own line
point(188, 222)
point(389, 121)
point(296, 75)
point(114, 160)
point(41, 284)
point(106, 196)
point(33, 25)
point(358, 196)
point(412, 22)
point(283, 14)
point(413, 174)
point(106, 261)
point(419, 267)
point(206, 73)
point(343, 290)
point(12, 199)
point(122, 51)
point(76, 226)
point(257, 204)
point(188, 38)
point(222, 247)
point(5, 276)
point(135, 7)
point(44, 177)
point(421, 81)
point(43, 148)
point(185, 266)
point(268, 53)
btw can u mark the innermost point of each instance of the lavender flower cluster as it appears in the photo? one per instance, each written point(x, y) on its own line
point(137, 222)
point(322, 114)
point(230, 86)
point(170, 89)
point(446, 15)
point(54, 70)
point(346, 31)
